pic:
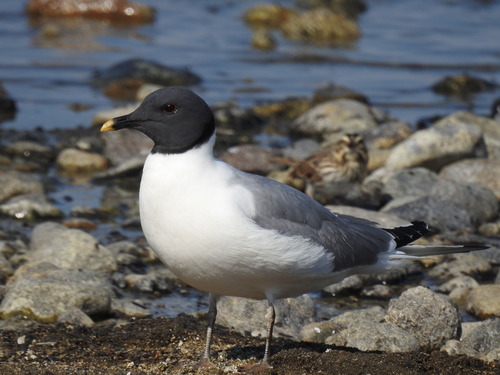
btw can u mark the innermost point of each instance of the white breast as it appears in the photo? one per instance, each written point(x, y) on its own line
point(199, 223)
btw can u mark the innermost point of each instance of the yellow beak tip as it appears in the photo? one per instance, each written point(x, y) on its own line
point(108, 126)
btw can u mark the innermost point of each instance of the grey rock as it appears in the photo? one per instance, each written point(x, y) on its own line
point(320, 331)
point(385, 337)
point(334, 117)
point(379, 291)
point(349, 284)
point(30, 206)
point(428, 316)
point(484, 301)
point(124, 145)
point(30, 151)
point(448, 205)
point(409, 182)
point(74, 161)
point(75, 316)
point(245, 315)
point(461, 264)
point(485, 172)
point(6, 269)
point(69, 249)
point(482, 342)
point(126, 308)
point(458, 282)
point(44, 292)
point(449, 140)
point(158, 280)
point(14, 183)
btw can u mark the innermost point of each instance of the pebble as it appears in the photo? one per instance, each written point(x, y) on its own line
point(17, 183)
point(335, 117)
point(449, 140)
point(471, 264)
point(428, 316)
point(28, 207)
point(485, 172)
point(484, 301)
point(73, 161)
point(44, 292)
point(71, 249)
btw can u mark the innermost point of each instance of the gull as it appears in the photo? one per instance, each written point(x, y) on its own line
point(232, 233)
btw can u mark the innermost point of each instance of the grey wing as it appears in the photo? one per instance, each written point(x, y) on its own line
point(279, 207)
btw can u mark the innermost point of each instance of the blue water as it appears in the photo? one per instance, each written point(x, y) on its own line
point(406, 46)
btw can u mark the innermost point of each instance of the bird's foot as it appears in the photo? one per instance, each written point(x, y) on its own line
point(260, 368)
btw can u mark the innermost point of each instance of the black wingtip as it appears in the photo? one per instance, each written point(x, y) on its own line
point(407, 234)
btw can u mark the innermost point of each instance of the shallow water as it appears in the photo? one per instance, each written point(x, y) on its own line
point(406, 46)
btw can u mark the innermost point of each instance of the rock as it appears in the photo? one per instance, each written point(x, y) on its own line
point(250, 158)
point(75, 316)
point(16, 183)
point(335, 117)
point(385, 337)
point(146, 71)
point(461, 264)
point(263, 40)
point(320, 25)
point(483, 342)
point(117, 10)
point(320, 331)
point(45, 292)
point(245, 315)
point(449, 206)
point(351, 8)
point(462, 85)
point(458, 282)
point(332, 91)
point(301, 149)
point(449, 140)
point(75, 161)
point(148, 283)
point(8, 106)
point(31, 152)
point(348, 285)
point(6, 269)
point(378, 291)
point(267, 15)
point(428, 316)
point(484, 301)
point(480, 171)
point(124, 89)
point(128, 309)
point(30, 206)
point(124, 146)
point(69, 249)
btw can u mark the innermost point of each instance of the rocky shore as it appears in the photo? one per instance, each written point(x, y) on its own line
point(80, 287)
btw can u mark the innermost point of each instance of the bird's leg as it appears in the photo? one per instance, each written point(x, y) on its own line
point(211, 315)
point(271, 316)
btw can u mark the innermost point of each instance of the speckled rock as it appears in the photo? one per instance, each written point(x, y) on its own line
point(75, 161)
point(335, 117)
point(44, 292)
point(449, 140)
point(426, 315)
point(480, 171)
point(120, 10)
point(484, 301)
point(245, 315)
point(16, 183)
point(267, 15)
point(69, 249)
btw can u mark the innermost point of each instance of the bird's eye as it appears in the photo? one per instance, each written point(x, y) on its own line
point(169, 108)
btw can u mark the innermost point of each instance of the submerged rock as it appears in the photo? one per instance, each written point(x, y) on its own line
point(462, 85)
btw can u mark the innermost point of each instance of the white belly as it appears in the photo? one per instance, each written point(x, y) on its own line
point(200, 226)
